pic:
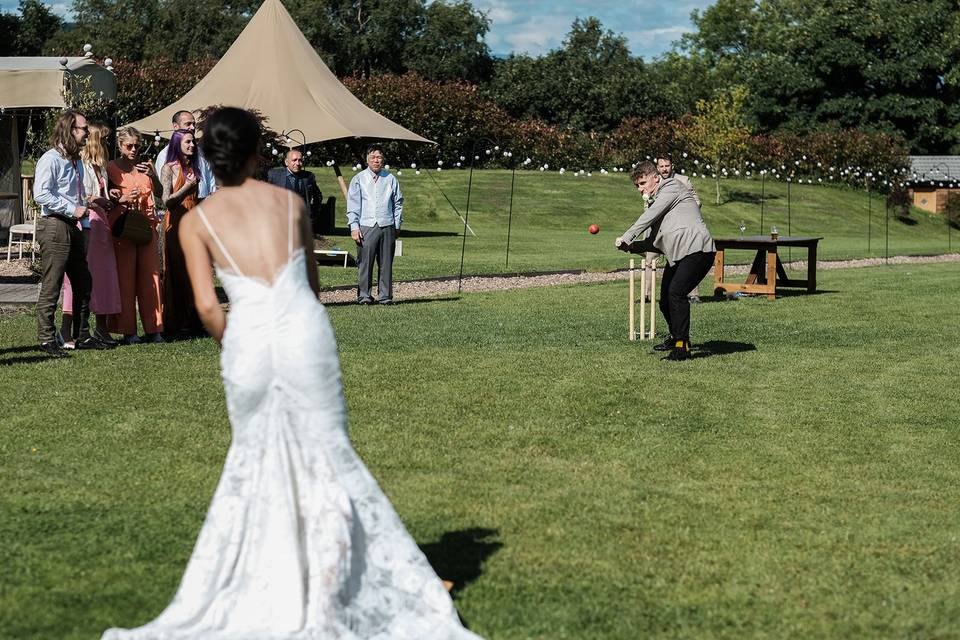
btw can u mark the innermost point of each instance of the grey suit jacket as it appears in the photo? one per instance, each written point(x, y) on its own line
point(684, 180)
point(677, 228)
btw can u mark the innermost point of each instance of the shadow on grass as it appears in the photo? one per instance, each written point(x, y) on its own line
point(458, 556)
point(23, 349)
point(24, 360)
point(720, 348)
point(406, 233)
point(910, 222)
point(353, 303)
point(781, 293)
point(791, 293)
point(748, 197)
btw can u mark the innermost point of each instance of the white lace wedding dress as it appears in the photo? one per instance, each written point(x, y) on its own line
point(299, 542)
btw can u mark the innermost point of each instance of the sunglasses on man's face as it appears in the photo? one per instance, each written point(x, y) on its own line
point(131, 147)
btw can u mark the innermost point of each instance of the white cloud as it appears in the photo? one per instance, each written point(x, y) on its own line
point(499, 11)
point(657, 32)
point(536, 35)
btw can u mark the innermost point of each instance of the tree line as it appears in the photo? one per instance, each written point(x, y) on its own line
point(878, 66)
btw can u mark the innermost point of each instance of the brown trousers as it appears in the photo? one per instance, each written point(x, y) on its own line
point(62, 252)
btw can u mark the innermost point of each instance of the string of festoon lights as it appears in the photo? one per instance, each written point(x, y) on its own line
point(802, 171)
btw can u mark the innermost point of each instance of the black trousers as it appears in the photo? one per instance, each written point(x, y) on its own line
point(62, 251)
point(678, 280)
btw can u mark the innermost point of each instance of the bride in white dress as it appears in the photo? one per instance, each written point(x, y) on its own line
point(299, 541)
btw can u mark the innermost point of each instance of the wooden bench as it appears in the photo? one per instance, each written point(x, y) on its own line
point(332, 256)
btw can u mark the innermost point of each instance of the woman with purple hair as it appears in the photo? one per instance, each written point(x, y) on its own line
point(179, 177)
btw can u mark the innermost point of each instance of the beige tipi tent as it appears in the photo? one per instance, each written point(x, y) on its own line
point(271, 67)
point(40, 82)
point(28, 83)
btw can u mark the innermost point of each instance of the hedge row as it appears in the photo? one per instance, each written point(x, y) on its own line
point(462, 121)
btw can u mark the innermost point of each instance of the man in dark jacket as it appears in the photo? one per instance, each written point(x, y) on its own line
point(292, 176)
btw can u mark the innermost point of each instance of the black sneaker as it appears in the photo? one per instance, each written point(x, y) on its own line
point(679, 351)
point(53, 350)
point(666, 345)
point(107, 340)
point(91, 343)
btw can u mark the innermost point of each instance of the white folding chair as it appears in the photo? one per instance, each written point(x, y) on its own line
point(28, 228)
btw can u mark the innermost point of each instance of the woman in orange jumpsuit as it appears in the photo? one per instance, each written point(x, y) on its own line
point(133, 186)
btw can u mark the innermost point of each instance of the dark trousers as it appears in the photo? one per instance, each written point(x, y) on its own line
point(62, 251)
point(378, 245)
point(678, 280)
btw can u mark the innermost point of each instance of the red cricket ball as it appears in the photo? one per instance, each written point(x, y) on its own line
point(594, 229)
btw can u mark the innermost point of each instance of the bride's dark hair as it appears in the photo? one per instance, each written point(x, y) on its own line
point(230, 137)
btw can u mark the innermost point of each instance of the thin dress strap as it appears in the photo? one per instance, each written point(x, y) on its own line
point(216, 238)
point(289, 223)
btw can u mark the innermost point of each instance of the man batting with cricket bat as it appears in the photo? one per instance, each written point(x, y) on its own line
point(677, 230)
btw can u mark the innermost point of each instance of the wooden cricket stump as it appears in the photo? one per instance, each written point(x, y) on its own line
point(648, 268)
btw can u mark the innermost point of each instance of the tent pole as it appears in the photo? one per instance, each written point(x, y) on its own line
point(513, 181)
point(466, 217)
point(343, 185)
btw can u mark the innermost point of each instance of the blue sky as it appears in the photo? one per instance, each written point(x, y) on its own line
point(537, 26)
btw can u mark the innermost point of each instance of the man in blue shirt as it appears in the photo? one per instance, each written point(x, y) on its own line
point(58, 189)
point(375, 212)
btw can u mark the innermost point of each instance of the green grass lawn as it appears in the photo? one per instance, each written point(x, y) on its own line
point(800, 482)
point(551, 213)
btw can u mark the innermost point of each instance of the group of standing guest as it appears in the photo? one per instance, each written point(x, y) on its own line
point(82, 197)
point(117, 276)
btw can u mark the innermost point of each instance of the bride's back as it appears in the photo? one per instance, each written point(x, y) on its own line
point(260, 225)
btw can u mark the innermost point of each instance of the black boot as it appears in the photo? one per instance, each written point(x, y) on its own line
point(679, 351)
point(666, 345)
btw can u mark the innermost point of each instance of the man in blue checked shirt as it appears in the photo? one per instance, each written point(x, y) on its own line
point(58, 189)
point(375, 212)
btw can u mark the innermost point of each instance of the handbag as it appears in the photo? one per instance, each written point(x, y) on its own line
point(132, 226)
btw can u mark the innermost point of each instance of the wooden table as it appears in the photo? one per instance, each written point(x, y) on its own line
point(760, 280)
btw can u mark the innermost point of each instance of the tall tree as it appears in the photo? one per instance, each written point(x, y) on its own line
point(37, 24)
point(450, 45)
point(189, 30)
point(360, 36)
point(376, 31)
point(592, 82)
point(9, 28)
point(718, 132)
point(873, 64)
point(120, 29)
